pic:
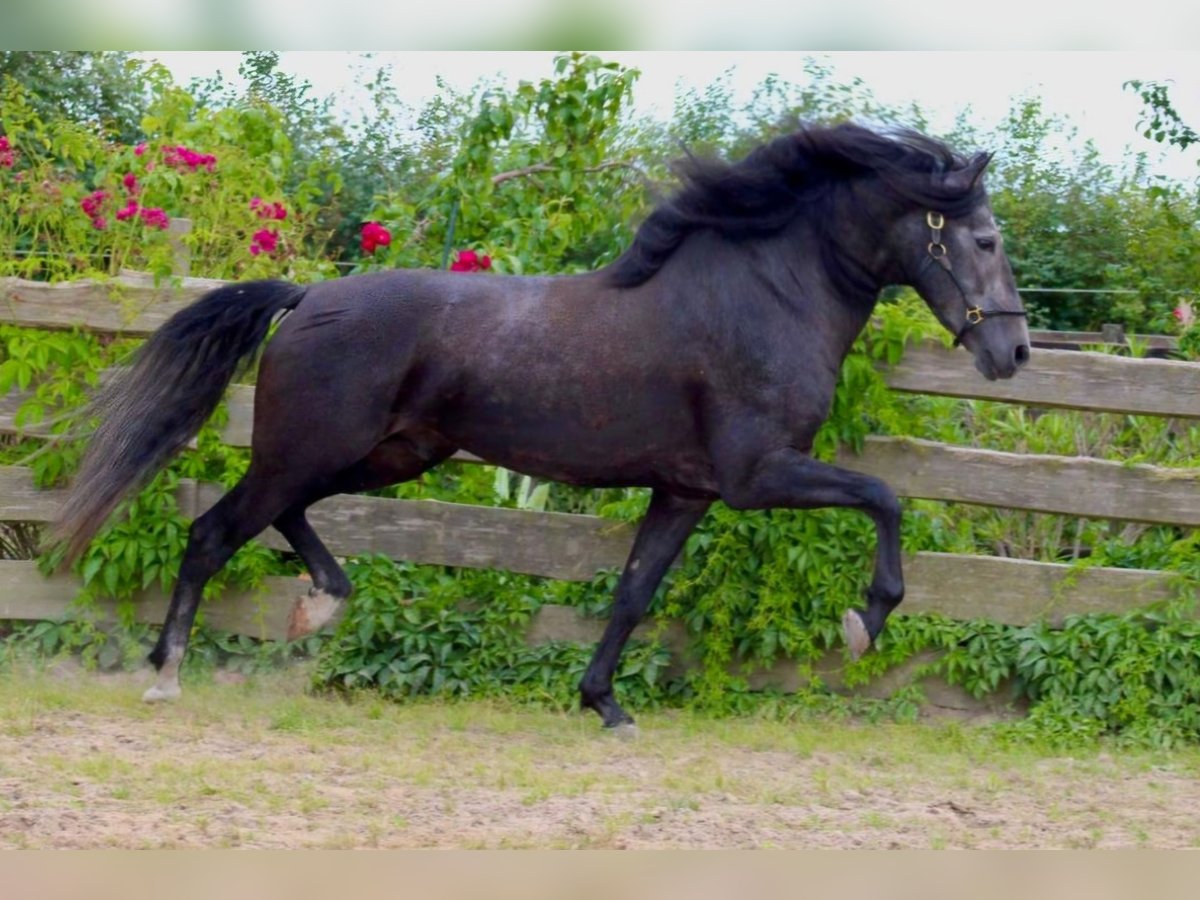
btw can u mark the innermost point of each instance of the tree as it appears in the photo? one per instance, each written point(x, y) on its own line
point(354, 161)
point(103, 88)
point(540, 177)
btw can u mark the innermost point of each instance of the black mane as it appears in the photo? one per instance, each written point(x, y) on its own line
point(790, 175)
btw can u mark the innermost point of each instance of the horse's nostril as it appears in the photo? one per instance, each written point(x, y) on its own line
point(1021, 354)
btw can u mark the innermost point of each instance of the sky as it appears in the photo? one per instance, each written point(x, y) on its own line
point(1085, 86)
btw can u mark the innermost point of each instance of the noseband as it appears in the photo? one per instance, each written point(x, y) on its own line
point(939, 254)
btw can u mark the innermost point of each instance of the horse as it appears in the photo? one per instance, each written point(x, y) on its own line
point(699, 364)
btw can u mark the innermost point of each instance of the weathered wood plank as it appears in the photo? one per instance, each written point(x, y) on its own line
point(1012, 591)
point(1016, 592)
point(10, 404)
point(1161, 342)
point(1021, 591)
point(25, 594)
point(1009, 591)
point(131, 306)
point(237, 431)
point(1054, 378)
point(571, 547)
point(1075, 486)
point(239, 400)
point(21, 501)
point(555, 545)
point(1065, 379)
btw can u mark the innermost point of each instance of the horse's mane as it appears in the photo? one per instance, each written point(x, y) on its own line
point(788, 176)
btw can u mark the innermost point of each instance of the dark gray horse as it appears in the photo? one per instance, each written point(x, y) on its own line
point(700, 364)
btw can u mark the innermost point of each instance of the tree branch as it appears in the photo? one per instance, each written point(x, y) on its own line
point(537, 168)
point(502, 177)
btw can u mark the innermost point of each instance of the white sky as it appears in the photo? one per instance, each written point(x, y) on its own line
point(1083, 85)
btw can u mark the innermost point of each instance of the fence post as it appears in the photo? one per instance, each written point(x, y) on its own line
point(176, 231)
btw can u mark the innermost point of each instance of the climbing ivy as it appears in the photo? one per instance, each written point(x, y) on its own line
point(547, 177)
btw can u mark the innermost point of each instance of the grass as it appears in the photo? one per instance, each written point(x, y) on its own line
point(84, 763)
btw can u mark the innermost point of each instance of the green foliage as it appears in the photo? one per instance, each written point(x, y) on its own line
point(46, 234)
point(1160, 121)
point(344, 165)
point(708, 121)
point(425, 630)
point(100, 88)
point(547, 177)
point(105, 649)
point(538, 179)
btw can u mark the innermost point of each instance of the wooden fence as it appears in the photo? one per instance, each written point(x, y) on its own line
point(575, 547)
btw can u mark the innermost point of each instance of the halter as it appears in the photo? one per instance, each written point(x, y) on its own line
point(939, 254)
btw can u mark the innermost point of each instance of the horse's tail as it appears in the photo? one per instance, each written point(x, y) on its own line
point(153, 408)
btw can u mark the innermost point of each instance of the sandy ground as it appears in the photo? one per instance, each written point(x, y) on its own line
point(83, 765)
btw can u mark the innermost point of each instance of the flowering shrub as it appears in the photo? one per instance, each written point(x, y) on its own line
point(470, 261)
point(73, 204)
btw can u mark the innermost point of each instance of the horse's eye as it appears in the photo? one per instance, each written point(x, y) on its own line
point(988, 244)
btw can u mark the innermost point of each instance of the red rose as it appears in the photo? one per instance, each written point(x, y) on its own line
point(470, 261)
point(374, 235)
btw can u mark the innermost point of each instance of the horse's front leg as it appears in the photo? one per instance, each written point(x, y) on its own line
point(660, 537)
point(789, 478)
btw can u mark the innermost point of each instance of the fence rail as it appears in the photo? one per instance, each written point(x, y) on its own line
point(1112, 335)
point(128, 305)
point(1064, 379)
point(1074, 486)
point(575, 547)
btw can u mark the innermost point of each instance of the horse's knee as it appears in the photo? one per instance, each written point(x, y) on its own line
point(886, 594)
point(881, 500)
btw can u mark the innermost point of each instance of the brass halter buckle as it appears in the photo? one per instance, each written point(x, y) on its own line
point(937, 252)
point(935, 221)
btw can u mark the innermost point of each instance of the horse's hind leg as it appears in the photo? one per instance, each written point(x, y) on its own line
point(317, 608)
point(660, 537)
point(400, 458)
point(213, 538)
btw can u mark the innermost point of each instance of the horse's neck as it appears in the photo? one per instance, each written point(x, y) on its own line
point(786, 278)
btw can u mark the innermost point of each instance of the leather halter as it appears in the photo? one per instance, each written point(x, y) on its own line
point(938, 253)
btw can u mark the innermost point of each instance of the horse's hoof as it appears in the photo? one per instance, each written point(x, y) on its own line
point(858, 639)
point(312, 612)
point(162, 694)
point(625, 731)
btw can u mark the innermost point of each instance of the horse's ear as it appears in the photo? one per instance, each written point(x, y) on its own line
point(979, 163)
point(962, 180)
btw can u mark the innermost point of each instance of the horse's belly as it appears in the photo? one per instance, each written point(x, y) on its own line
point(596, 460)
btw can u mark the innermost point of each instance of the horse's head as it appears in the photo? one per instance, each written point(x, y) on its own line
point(957, 264)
